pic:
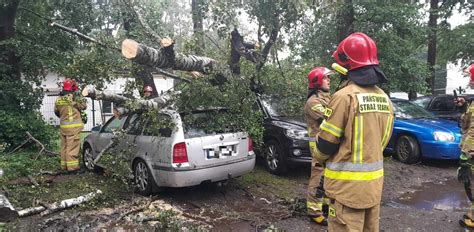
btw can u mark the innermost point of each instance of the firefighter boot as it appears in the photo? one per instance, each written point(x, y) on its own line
point(467, 223)
point(320, 220)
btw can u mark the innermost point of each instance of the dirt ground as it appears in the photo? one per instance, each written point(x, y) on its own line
point(419, 197)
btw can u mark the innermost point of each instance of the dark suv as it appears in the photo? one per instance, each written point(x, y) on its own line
point(285, 138)
point(442, 105)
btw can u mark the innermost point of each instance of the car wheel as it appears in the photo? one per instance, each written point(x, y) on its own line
point(274, 158)
point(144, 181)
point(407, 149)
point(88, 159)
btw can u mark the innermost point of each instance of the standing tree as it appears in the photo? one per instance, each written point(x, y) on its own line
point(432, 34)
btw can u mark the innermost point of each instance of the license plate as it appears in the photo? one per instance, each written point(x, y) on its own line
point(225, 151)
point(211, 154)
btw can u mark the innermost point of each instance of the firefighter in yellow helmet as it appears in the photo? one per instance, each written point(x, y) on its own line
point(467, 151)
point(68, 108)
point(351, 140)
point(314, 109)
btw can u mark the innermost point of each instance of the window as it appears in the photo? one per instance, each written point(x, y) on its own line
point(442, 104)
point(113, 124)
point(160, 128)
point(134, 124)
point(106, 107)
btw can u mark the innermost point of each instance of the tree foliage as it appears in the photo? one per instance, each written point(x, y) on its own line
point(303, 32)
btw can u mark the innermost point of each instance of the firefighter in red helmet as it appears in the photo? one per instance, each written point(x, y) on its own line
point(351, 140)
point(467, 150)
point(68, 108)
point(314, 109)
point(147, 91)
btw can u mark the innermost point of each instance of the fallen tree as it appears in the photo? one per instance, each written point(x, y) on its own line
point(58, 205)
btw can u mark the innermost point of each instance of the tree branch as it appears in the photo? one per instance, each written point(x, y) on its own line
point(142, 21)
point(268, 46)
point(80, 35)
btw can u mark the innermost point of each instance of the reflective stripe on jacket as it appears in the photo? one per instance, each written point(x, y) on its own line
point(69, 114)
point(467, 131)
point(314, 110)
point(361, 123)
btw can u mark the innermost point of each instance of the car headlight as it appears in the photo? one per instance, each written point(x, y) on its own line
point(443, 136)
point(296, 134)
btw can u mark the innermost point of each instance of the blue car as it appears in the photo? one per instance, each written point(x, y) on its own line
point(418, 133)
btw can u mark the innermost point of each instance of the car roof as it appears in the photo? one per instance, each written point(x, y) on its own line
point(394, 99)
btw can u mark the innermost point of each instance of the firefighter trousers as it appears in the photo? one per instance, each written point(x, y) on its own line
point(314, 200)
point(343, 218)
point(70, 146)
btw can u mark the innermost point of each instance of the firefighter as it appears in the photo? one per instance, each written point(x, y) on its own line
point(467, 151)
point(147, 92)
point(318, 98)
point(68, 108)
point(351, 140)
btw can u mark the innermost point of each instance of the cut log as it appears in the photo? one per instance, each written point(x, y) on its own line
point(58, 205)
point(165, 57)
point(7, 212)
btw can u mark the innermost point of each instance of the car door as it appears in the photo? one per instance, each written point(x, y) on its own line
point(106, 133)
point(133, 128)
point(155, 142)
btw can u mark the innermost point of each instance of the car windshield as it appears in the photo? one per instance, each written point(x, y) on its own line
point(274, 107)
point(423, 102)
point(407, 110)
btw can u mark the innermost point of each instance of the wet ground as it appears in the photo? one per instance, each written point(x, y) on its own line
point(420, 197)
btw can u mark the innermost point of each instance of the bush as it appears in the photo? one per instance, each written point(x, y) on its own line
point(19, 113)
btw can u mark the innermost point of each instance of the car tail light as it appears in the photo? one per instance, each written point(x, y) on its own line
point(250, 145)
point(180, 154)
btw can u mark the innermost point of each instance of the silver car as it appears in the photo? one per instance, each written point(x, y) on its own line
point(186, 155)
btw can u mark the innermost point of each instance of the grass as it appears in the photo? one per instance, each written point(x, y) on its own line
point(21, 164)
point(281, 186)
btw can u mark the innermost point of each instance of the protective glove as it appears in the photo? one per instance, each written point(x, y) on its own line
point(464, 170)
point(464, 174)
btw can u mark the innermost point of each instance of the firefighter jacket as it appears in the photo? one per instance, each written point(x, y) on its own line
point(467, 131)
point(314, 110)
point(351, 141)
point(68, 110)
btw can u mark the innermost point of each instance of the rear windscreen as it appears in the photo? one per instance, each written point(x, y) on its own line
point(204, 123)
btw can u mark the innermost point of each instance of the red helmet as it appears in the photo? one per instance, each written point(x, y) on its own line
point(319, 73)
point(147, 88)
point(355, 51)
point(470, 69)
point(68, 85)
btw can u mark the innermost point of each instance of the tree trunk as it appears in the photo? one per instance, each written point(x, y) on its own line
point(432, 26)
point(8, 55)
point(345, 18)
point(197, 11)
point(165, 57)
point(120, 101)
